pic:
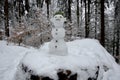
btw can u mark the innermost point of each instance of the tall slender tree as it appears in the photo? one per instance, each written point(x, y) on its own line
point(102, 38)
point(88, 16)
point(78, 19)
point(27, 7)
point(21, 10)
point(87, 13)
point(78, 14)
point(6, 18)
point(48, 3)
point(38, 3)
point(96, 18)
point(42, 1)
point(69, 10)
point(117, 30)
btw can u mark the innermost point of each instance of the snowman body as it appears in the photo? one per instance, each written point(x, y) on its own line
point(57, 45)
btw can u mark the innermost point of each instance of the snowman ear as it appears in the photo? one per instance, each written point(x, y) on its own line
point(65, 19)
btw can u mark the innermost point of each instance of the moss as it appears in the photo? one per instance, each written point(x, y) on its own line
point(59, 12)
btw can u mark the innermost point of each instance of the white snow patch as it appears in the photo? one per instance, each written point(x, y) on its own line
point(10, 57)
point(85, 54)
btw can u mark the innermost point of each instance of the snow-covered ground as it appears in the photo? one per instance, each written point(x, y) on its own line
point(82, 54)
point(10, 57)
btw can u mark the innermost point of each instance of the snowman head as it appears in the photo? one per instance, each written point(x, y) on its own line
point(58, 20)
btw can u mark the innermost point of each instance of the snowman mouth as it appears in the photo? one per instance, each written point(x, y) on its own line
point(58, 19)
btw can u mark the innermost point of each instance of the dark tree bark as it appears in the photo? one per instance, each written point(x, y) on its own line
point(19, 7)
point(78, 19)
point(113, 43)
point(102, 39)
point(69, 10)
point(81, 17)
point(117, 46)
point(117, 30)
point(86, 19)
point(96, 18)
point(38, 3)
point(65, 10)
point(6, 13)
point(27, 7)
point(21, 10)
point(47, 10)
point(42, 1)
point(47, 3)
point(78, 14)
point(88, 25)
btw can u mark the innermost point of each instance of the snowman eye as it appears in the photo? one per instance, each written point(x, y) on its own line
point(55, 16)
point(60, 16)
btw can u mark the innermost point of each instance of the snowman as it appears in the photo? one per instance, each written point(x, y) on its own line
point(57, 45)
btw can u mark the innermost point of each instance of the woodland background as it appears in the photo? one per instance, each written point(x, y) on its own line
point(27, 22)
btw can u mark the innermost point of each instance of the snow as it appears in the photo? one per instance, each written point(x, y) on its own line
point(110, 10)
point(83, 57)
point(9, 60)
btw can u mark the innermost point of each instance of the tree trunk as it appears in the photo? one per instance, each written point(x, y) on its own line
point(102, 39)
point(38, 3)
point(42, 3)
point(96, 19)
point(47, 3)
point(117, 45)
point(27, 7)
point(48, 11)
point(20, 11)
point(86, 20)
point(66, 8)
point(78, 19)
point(78, 13)
point(113, 44)
point(6, 18)
point(69, 10)
point(117, 30)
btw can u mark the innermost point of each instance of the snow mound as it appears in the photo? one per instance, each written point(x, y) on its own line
point(84, 57)
point(10, 57)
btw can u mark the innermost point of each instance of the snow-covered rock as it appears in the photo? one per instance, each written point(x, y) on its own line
point(84, 58)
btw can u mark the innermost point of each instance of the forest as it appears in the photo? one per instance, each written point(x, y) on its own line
point(27, 22)
point(22, 20)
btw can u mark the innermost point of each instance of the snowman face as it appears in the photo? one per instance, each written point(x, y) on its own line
point(59, 17)
point(58, 20)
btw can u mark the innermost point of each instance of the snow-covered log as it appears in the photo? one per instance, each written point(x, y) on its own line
point(83, 62)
